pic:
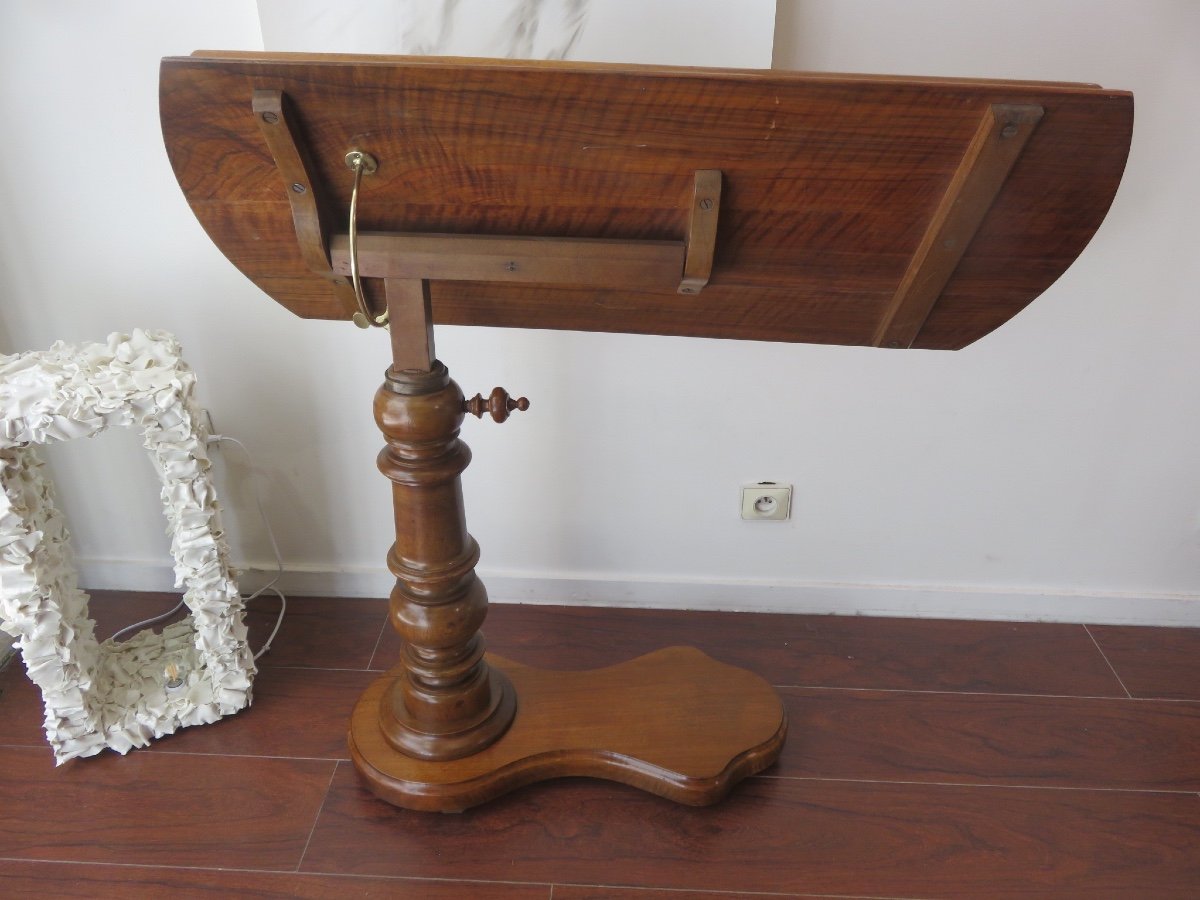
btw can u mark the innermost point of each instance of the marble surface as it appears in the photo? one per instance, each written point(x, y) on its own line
point(666, 32)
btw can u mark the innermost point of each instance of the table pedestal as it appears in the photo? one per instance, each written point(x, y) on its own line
point(451, 727)
point(675, 723)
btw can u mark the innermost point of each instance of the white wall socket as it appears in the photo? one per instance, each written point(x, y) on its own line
point(767, 501)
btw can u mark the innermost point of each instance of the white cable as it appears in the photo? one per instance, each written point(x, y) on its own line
point(269, 586)
point(137, 626)
point(278, 621)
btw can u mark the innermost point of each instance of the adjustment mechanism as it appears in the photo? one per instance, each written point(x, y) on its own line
point(498, 403)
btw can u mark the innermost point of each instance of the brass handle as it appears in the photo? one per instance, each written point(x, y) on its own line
point(360, 161)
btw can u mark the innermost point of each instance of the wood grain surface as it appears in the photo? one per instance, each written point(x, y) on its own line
point(829, 651)
point(673, 722)
point(926, 759)
point(40, 879)
point(160, 809)
point(830, 183)
point(1064, 742)
point(1153, 662)
point(788, 835)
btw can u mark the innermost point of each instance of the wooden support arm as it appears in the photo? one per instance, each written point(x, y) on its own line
point(1002, 134)
point(275, 120)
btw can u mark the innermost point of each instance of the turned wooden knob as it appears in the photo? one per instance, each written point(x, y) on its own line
point(498, 403)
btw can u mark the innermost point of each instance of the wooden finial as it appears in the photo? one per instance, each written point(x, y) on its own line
point(498, 403)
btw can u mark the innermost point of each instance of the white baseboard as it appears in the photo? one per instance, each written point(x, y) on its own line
point(906, 601)
point(915, 601)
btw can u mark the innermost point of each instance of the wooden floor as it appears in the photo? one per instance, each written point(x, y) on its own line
point(926, 759)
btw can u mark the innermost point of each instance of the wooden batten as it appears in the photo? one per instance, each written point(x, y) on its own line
point(702, 231)
point(1002, 134)
point(635, 265)
point(271, 109)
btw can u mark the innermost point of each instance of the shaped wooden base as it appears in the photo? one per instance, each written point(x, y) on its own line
point(674, 722)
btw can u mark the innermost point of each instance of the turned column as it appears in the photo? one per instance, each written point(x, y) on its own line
point(446, 702)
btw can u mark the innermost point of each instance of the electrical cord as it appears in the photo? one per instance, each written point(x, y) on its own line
point(269, 586)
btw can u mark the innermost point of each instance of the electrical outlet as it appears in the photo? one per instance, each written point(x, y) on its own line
point(767, 501)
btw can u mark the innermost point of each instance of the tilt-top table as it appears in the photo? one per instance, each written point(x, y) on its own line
point(763, 205)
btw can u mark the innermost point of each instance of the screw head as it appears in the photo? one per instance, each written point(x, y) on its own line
point(510, 266)
point(270, 118)
point(1009, 130)
point(298, 188)
point(706, 204)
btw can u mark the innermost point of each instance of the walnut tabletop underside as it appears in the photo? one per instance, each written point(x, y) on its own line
point(839, 192)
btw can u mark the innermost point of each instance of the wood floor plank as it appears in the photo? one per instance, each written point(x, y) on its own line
point(317, 632)
point(318, 700)
point(114, 610)
point(788, 836)
point(812, 651)
point(940, 710)
point(828, 651)
point(40, 879)
point(605, 892)
point(150, 808)
point(21, 711)
point(990, 739)
point(886, 736)
point(322, 699)
point(1153, 662)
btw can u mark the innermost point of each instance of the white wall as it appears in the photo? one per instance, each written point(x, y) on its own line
point(1049, 471)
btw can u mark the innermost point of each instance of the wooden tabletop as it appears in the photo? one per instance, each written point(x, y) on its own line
point(854, 210)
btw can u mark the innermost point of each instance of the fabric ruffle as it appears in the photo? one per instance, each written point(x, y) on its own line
point(106, 694)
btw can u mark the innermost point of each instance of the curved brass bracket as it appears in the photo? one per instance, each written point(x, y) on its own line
point(360, 161)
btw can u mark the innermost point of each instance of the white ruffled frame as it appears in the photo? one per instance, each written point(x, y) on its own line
point(107, 694)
